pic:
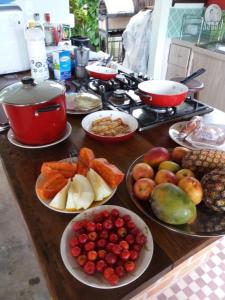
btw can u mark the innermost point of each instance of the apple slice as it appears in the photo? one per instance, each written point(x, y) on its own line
point(59, 201)
point(100, 187)
point(80, 194)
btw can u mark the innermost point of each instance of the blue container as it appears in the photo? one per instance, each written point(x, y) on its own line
point(62, 64)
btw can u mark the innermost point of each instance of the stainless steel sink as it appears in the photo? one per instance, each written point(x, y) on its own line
point(215, 47)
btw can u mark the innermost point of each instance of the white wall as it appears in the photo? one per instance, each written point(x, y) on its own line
point(58, 9)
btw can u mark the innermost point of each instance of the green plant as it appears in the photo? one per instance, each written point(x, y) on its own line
point(86, 20)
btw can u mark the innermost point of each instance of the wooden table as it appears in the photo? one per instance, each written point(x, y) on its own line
point(22, 167)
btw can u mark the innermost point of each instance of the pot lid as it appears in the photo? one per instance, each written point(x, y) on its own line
point(27, 92)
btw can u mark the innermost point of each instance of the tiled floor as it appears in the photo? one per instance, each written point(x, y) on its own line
point(206, 282)
point(20, 276)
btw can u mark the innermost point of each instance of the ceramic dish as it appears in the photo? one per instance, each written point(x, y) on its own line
point(207, 224)
point(82, 103)
point(97, 281)
point(46, 203)
point(126, 118)
point(174, 131)
point(12, 139)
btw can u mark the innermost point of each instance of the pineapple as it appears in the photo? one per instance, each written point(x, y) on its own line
point(204, 160)
point(213, 185)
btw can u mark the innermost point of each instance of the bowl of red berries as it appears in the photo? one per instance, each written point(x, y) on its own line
point(106, 247)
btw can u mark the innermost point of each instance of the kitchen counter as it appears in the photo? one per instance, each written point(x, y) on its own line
point(45, 226)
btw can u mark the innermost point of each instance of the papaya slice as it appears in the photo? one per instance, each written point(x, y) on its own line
point(66, 169)
point(50, 184)
point(110, 173)
point(86, 155)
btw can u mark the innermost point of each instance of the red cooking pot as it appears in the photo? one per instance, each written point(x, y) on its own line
point(101, 72)
point(36, 112)
point(162, 93)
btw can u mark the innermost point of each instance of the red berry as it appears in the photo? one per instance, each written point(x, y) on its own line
point(126, 218)
point(120, 271)
point(124, 245)
point(130, 239)
point(105, 214)
point(73, 242)
point(101, 265)
point(81, 260)
point(101, 243)
point(115, 212)
point(89, 246)
point(98, 218)
point(104, 234)
point(108, 224)
point(84, 223)
point(116, 249)
point(92, 255)
point(101, 253)
point(111, 258)
point(77, 225)
point(119, 222)
point(130, 225)
point(89, 267)
point(113, 279)
point(141, 239)
point(113, 237)
point(99, 227)
point(109, 246)
point(75, 251)
point(91, 226)
point(137, 247)
point(135, 231)
point(83, 238)
point(134, 254)
point(92, 236)
point(122, 232)
point(108, 272)
point(129, 266)
point(125, 254)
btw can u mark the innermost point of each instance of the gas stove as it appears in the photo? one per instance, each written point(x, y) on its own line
point(119, 94)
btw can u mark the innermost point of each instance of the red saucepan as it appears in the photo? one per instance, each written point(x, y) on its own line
point(162, 93)
point(101, 72)
point(36, 112)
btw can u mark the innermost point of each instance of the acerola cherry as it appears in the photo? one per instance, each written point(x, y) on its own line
point(83, 238)
point(113, 237)
point(91, 226)
point(137, 247)
point(119, 222)
point(99, 227)
point(101, 243)
point(92, 236)
point(101, 265)
point(105, 214)
point(89, 246)
point(116, 249)
point(111, 258)
point(108, 224)
point(109, 246)
point(125, 254)
point(126, 218)
point(124, 244)
point(141, 239)
point(134, 255)
point(89, 267)
point(129, 266)
point(75, 251)
point(104, 234)
point(113, 279)
point(131, 225)
point(120, 271)
point(81, 260)
point(108, 272)
point(77, 225)
point(130, 239)
point(101, 253)
point(115, 212)
point(92, 255)
point(122, 232)
point(73, 242)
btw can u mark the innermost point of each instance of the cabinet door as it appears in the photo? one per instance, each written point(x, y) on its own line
point(213, 92)
point(179, 55)
point(175, 71)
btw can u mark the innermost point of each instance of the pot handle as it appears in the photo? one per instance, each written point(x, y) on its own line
point(47, 109)
point(142, 94)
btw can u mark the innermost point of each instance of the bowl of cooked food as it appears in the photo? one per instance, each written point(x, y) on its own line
point(109, 125)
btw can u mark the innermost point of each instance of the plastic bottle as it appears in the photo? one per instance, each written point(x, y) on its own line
point(37, 21)
point(48, 30)
point(37, 54)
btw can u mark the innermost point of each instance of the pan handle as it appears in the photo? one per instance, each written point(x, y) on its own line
point(142, 94)
point(194, 75)
point(47, 109)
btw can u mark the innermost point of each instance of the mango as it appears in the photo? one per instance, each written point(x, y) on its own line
point(171, 204)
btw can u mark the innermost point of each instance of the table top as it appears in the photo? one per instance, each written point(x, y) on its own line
point(22, 167)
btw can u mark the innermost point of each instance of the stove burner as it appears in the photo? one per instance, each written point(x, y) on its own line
point(169, 111)
point(119, 98)
point(109, 85)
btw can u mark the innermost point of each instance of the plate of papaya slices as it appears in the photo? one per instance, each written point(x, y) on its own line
point(72, 186)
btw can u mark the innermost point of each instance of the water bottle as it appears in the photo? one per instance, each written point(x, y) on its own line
point(37, 53)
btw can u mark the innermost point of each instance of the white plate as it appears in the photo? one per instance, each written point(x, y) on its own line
point(70, 99)
point(98, 281)
point(83, 112)
point(174, 131)
point(47, 202)
point(213, 14)
point(12, 139)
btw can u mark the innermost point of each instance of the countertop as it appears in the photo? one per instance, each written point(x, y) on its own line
point(22, 167)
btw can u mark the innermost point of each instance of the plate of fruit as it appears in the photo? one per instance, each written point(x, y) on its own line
point(74, 185)
point(106, 247)
point(181, 189)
